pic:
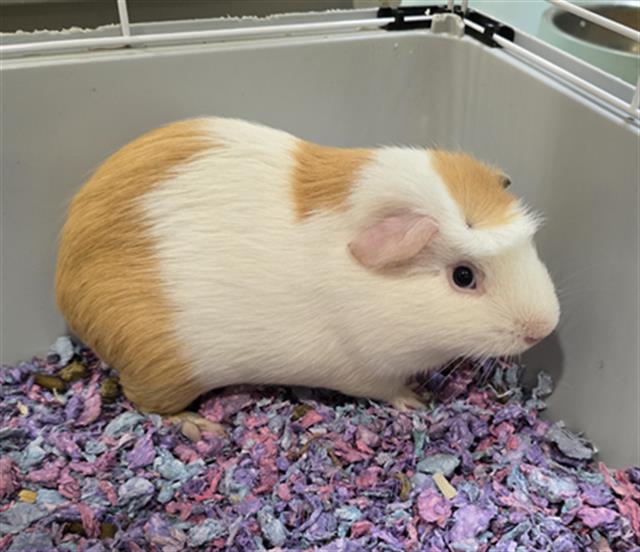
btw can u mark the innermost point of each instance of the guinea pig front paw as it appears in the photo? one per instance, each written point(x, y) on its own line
point(407, 399)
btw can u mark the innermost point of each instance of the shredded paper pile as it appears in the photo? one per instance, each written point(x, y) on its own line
point(477, 470)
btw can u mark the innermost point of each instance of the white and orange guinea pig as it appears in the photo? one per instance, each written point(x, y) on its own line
point(214, 251)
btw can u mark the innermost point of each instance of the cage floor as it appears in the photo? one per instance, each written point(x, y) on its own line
point(476, 470)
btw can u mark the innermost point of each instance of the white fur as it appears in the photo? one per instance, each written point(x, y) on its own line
point(264, 298)
point(415, 183)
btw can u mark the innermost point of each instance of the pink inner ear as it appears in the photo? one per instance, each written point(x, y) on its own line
point(393, 240)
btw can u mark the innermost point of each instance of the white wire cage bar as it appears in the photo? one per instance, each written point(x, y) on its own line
point(635, 102)
point(123, 15)
point(535, 59)
point(127, 38)
point(192, 36)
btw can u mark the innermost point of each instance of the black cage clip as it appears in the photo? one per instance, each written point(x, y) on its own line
point(491, 26)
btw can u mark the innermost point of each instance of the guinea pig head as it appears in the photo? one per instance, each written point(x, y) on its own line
point(461, 271)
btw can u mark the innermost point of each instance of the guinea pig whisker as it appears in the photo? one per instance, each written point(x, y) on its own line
point(562, 324)
point(574, 274)
point(567, 322)
point(489, 373)
point(573, 292)
point(480, 364)
point(447, 367)
point(448, 376)
point(440, 369)
point(447, 364)
point(453, 366)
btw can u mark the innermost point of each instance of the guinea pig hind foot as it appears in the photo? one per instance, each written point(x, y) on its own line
point(192, 424)
point(397, 394)
point(407, 399)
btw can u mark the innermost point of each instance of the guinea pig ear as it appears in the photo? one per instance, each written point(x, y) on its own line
point(393, 240)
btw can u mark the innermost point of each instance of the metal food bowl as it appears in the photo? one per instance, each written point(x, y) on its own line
point(601, 47)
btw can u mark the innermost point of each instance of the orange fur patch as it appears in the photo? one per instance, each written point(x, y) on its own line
point(477, 188)
point(107, 282)
point(323, 176)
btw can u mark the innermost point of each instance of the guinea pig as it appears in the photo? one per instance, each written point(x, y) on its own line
point(214, 251)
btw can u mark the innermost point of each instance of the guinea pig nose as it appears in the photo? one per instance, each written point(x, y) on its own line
point(533, 331)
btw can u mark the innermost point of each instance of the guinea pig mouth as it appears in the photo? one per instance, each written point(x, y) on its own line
point(521, 345)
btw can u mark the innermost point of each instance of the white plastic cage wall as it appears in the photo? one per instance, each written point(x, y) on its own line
point(565, 67)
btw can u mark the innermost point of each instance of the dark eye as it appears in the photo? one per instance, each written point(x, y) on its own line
point(464, 277)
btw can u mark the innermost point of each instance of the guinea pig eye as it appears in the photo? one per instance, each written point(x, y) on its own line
point(464, 277)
